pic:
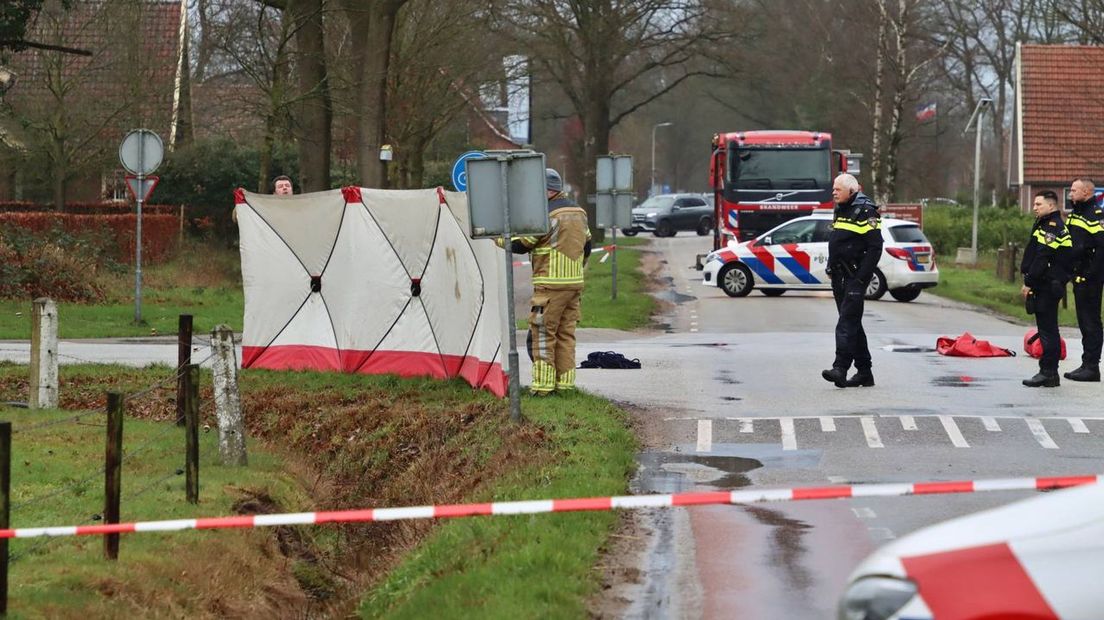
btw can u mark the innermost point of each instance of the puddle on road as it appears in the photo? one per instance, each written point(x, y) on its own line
point(674, 297)
point(725, 377)
point(731, 398)
point(908, 348)
point(954, 381)
point(787, 544)
point(682, 345)
point(670, 472)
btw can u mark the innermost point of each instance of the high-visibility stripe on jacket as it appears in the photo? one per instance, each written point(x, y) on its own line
point(557, 257)
point(1053, 241)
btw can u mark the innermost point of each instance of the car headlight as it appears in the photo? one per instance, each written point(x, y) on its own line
point(650, 215)
point(876, 598)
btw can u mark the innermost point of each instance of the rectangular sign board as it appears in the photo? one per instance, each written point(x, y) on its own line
point(615, 172)
point(903, 211)
point(613, 210)
point(525, 194)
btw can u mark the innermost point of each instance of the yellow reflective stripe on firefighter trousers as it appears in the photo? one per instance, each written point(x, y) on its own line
point(552, 319)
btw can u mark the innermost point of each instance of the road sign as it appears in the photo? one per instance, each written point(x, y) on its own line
point(141, 187)
point(141, 152)
point(525, 196)
point(615, 173)
point(460, 172)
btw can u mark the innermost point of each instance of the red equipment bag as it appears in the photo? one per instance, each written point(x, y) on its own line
point(1033, 345)
point(968, 346)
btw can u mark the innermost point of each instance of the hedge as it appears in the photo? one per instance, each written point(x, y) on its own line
point(85, 208)
point(159, 232)
point(950, 227)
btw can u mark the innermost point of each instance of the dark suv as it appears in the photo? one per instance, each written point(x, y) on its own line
point(666, 214)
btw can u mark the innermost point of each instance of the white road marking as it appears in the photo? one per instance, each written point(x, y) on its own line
point(864, 513)
point(871, 431)
point(705, 435)
point(837, 479)
point(827, 424)
point(789, 436)
point(1040, 433)
point(693, 330)
point(1078, 425)
point(990, 423)
point(746, 425)
point(953, 431)
point(882, 533)
point(908, 423)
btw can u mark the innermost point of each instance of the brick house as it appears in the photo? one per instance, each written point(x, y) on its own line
point(1058, 128)
point(136, 77)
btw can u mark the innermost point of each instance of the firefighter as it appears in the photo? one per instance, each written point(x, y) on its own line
point(1087, 262)
point(854, 247)
point(558, 260)
point(1045, 269)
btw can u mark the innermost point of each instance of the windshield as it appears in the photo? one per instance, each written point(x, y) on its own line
point(778, 169)
point(657, 202)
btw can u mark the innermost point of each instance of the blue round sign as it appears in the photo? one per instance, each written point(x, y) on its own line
point(459, 172)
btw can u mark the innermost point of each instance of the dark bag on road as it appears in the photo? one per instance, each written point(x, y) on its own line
point(608, 359)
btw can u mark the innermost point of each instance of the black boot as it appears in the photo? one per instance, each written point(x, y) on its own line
point(1043, 380)
point(1087, 372)
point(835, 375)
point(862, 378)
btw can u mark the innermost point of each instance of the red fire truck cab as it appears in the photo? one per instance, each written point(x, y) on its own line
point(763, 178)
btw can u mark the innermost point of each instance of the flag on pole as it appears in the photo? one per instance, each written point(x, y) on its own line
point(925, 112)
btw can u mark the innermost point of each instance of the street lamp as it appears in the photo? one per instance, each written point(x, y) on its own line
point(975, 121)
point(652, 189)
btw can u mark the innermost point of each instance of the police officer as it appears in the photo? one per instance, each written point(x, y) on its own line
point(1087, 262)
point(854, 247)
point(1045, 269)
point(558, 259)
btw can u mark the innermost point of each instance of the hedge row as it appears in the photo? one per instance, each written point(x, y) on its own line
point(159, 232)
point(950, 227)
point(85, 208)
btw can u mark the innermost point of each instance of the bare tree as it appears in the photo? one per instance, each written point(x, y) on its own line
point(610, 58)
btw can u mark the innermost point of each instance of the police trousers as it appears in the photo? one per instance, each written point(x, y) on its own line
point(851, 344)
point(553, 315)
point(1087, 297)
point(1046, 320)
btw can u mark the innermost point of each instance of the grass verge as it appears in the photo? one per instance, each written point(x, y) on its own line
point(319, 441)
point(981, 287)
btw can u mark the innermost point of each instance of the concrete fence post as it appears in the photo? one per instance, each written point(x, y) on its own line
point(227, 398)
point(44, 355)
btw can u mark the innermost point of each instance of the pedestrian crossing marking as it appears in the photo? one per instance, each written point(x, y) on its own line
point(1040, 433)
point(705, 435)
point(953, 431)
point(789, 436)
point(868, 424)
point(871, 432)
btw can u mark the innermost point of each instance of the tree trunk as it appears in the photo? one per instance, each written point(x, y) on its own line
point(373, 26)
point(876, 155)
point(901, 84)
point(596, 134)
point(314, 128)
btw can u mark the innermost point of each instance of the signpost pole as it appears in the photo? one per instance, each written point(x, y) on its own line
point(138, 249)
point(511, 317)
point(613, 267)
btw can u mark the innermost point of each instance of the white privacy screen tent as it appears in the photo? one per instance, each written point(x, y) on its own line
point(370, 281)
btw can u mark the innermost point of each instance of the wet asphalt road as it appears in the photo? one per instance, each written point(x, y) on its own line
point(733, 393)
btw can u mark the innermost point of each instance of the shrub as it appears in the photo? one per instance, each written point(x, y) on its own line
point(949, 227)
point(56, 263)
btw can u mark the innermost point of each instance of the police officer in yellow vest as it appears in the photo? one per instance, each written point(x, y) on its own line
point(558, 260)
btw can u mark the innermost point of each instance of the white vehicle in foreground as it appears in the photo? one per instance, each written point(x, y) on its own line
point(794, 255)
point(1038, 558)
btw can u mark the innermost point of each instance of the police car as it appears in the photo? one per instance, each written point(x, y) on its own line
point(1038, 558)
point(794, 256)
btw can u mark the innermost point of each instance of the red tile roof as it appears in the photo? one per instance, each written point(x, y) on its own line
point(1063, 112)
point(121, 85)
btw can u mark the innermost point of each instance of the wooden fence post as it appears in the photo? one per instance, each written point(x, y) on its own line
point(227, 397)
point(183, 358)
point(44, 355)
point(191, 433)
point(1002, 260)
point(113, 471)
point(5, 509)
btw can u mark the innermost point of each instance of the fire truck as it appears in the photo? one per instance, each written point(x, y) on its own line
point(763, 178)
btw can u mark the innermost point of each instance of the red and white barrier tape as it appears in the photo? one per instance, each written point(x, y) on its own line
point(628, 502)
point(607, 249)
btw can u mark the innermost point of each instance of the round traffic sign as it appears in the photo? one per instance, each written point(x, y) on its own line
point(459, 172)
point(141, 152)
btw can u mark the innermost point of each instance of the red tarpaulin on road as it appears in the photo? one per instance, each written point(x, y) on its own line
point(968, 346)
